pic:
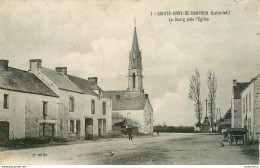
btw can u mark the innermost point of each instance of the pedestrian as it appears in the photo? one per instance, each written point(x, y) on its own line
point(157, 132)
point(129, 131)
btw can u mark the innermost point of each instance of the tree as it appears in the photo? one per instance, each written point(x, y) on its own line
point(194, 95)
point(212, 86)
point(228, 114)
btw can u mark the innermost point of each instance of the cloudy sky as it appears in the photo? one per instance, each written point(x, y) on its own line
point(93, 38)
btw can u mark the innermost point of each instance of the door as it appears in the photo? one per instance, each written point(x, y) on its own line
point(88, 128)
point(78, 128)
point(4, 132)
point(104, 127)
point(99, 128)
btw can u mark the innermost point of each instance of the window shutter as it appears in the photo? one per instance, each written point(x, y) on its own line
point(68, 125)
point(46, 108)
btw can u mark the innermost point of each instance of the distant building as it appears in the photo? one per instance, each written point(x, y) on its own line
point(226, 124)
point(250, 98)
point(133, 104)
point(82, 112)
point(236, 112)
point(28, 107)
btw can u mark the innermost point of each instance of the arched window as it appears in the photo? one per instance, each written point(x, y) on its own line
point(133, 80)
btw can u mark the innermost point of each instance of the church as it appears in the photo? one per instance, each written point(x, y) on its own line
point(131, 108)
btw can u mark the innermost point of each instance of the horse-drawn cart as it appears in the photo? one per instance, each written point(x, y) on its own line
point(236, 134)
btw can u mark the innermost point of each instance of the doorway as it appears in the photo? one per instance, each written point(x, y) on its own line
point(88, 128)
point(4, 132)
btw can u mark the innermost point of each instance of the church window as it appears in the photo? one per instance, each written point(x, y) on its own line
point(133, 80)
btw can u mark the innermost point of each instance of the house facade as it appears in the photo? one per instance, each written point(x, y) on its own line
point(82, 113)
point(250, 105)
point(236, 110)
point(28, 107)
point(132, 104)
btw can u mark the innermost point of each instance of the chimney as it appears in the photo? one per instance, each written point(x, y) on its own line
point(146, 96)
point(4, 64)
point(35, 64)
point(234, 82)
point(62, 70)
point(93, 79)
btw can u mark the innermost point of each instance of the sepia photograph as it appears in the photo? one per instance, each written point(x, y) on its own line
point(129, 82)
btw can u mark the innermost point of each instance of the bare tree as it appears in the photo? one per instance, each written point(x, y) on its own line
point(212, 86)
point(194, 95)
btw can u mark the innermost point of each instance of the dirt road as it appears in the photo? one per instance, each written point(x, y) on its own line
point(164, 149)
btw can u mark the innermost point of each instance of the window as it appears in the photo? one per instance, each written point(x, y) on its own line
point(92, 106)
point(104, 108)
point(71, 104)
point(133, 80)
point(246, 105)
point(250, 101)
point(45, 108)
point(61, 124)
point(6, 101)
point(71, 126)
point(117, 97)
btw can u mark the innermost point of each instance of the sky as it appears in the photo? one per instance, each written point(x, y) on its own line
point(93, 38)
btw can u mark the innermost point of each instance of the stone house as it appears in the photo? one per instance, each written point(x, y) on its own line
point(250, 105)
point(28, 107)
point(236, 113)
point(133, 104)
point(82, 113)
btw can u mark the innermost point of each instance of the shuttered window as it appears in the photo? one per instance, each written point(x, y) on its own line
point(71, 126)
point(6, 101)
point(104, 108)
point(45, 108)
point(92, 106)
point(71, 104)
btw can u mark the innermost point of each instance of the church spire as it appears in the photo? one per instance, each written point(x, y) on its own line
point(135, 77)
point(135, 54)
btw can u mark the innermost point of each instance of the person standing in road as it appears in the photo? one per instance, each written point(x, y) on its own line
point(129, 131)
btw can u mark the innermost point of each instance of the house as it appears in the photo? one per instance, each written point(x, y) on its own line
point(250, 103)
point(28, 107)
point(100, 106)
point(133, 104)
point(236, 112)
point(82, 112)
point(226, 124)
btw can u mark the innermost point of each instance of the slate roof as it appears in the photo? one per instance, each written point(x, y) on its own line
point(129, 104)
point(85, 85)
point(239, 88)
point(112, 94)
point(23, 81)
point(62, 81)
point(118, 120)
point(255, 78)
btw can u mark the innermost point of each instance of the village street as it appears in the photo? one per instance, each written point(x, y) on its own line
point(175, 148)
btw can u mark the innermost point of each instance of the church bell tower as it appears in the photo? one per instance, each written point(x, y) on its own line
point(135, 77)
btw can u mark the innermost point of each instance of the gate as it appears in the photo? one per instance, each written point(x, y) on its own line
point(4, 132)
